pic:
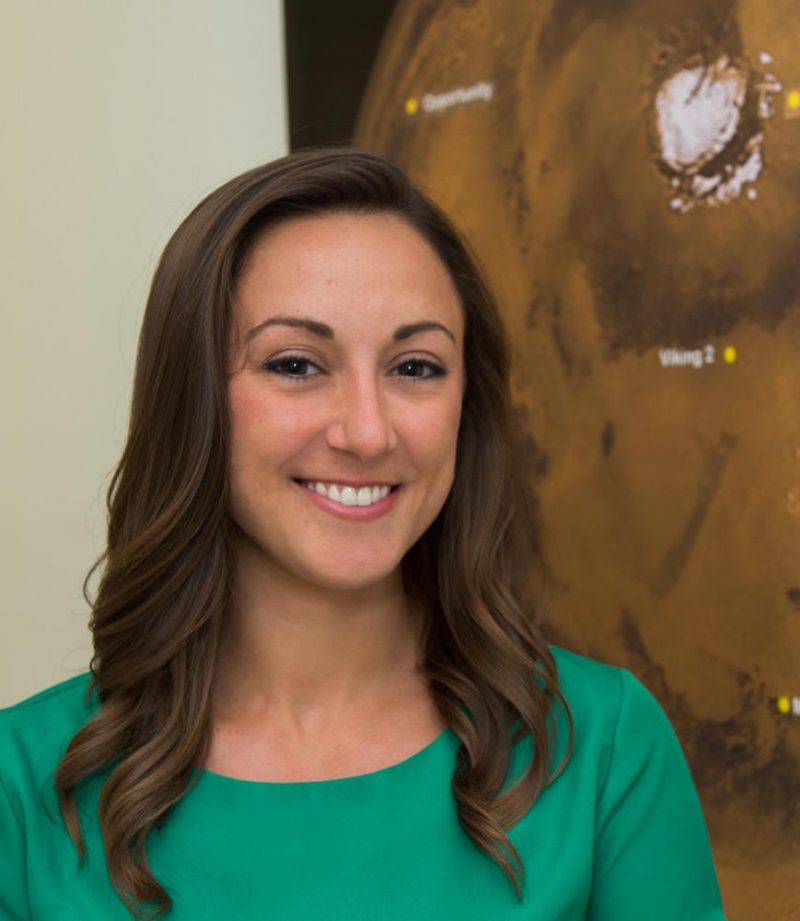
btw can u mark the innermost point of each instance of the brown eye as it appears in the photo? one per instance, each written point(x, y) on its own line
point(294, 366)
point(419, 368)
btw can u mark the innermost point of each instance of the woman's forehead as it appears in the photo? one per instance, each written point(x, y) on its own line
point(341, 269)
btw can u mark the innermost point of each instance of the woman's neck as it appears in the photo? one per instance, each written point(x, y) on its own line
point(303, 653)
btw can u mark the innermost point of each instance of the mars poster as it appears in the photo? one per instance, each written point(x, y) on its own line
point(629, 176)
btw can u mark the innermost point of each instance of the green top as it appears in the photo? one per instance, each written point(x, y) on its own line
point(619, 836)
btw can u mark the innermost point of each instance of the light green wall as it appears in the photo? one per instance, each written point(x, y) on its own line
point(116, 118)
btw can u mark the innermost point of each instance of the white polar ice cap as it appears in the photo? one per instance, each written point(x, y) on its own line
point(698, 111)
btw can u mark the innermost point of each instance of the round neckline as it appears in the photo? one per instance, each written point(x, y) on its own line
point(205, 775)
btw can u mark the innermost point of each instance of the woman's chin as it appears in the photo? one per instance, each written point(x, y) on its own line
point(353, 578)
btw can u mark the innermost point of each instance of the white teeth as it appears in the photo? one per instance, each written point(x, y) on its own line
point(349, 495)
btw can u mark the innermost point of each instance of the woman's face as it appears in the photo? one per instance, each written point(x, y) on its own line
point(344, 398)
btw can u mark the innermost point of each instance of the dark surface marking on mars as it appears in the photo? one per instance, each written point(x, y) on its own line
point(711, 29)
point(676, 557)
point(534, 305)
point(793, 594)
point(542, 301)
point(558, 335)
point(568, 21)
point(781, 285)
point(516, 193)
point(696, 24)
point(424, 15)
point(724, 754)
point(607, 437)
point(640, 302)
point(534, 460)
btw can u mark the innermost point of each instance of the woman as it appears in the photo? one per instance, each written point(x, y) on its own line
point(318, 691)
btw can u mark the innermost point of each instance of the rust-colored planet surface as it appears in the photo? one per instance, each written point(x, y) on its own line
point(629, 174)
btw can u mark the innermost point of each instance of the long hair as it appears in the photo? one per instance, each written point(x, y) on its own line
point(165, 590)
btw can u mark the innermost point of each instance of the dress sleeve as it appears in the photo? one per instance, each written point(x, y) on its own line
point(13, 876)
point(652, 852)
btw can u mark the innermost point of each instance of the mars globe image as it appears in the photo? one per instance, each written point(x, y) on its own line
point(629, 176)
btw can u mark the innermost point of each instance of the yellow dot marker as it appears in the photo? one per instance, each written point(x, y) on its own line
point(412, 105)
point(793, 100)
point(784, 705)
point(729, 354)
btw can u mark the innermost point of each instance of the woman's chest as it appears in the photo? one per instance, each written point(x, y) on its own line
point(384, 848)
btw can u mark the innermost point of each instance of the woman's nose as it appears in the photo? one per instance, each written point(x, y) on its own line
point(360, 420)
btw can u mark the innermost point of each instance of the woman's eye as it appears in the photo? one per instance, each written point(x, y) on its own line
point(419, 368)
point(292, 366)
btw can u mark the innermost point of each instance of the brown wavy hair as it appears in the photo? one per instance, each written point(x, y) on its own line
point(165, 587)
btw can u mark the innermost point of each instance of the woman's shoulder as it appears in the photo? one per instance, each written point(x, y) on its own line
point(69, 698)
point(37, 730)
point(591, 689)
point(611, 709)
point(590, 686)
point(580, 671)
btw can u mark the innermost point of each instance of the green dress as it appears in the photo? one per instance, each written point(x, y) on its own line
point(619, 836)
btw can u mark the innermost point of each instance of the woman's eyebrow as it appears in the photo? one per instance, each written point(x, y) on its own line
point(325, 332)
point(411, 329)
point(313, 326)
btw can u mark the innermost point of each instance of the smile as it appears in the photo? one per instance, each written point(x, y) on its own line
point(348, 495)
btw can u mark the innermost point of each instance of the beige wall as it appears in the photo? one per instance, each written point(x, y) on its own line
point(116, 118)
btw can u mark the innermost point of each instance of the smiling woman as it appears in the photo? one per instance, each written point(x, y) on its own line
point(320, 688)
